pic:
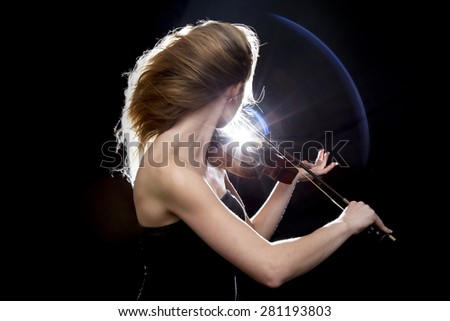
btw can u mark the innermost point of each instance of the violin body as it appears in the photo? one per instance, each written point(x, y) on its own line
point(251, 160)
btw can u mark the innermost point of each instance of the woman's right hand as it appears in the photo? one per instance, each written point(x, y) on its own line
point(359, 215)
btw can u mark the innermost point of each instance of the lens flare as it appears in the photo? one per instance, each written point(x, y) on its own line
point(247, 126)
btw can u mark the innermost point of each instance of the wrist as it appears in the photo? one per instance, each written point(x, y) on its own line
point(343, 226)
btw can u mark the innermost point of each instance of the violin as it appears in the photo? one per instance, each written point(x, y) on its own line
point(260, 157)
point(251, 160)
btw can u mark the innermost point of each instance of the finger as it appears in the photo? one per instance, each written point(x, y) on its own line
point(319, 158)
point(329, 168)
point(380, 224)
point(320, 155)
point(324, 161)
point(308, 163)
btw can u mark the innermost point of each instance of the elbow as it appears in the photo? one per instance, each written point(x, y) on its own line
point(273, 283)
point(274, 275)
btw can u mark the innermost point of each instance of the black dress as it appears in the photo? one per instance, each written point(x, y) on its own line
point(179, 265)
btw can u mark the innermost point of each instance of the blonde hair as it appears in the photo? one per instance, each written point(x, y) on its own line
point(187, 69)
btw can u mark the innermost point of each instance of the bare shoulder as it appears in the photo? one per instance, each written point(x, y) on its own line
point(153, 181)
point(152, 187)
point(163, 195)
point(177, 192)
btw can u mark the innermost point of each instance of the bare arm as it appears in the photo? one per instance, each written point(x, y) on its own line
point(233, 191)
point(186, 194)
point(266, 220)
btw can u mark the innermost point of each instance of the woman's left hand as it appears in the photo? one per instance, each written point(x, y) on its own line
point(319, 167)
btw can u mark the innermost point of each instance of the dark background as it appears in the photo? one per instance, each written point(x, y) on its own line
point(73, 236)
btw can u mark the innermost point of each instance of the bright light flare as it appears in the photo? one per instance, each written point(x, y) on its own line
point(247, 126)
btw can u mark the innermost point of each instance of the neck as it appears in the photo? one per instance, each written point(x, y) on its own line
point(200, 123)
point(188, 139)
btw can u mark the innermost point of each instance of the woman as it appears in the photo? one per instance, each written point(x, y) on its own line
point(195, 232)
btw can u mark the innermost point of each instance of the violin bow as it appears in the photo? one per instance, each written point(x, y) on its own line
point(316, 180)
